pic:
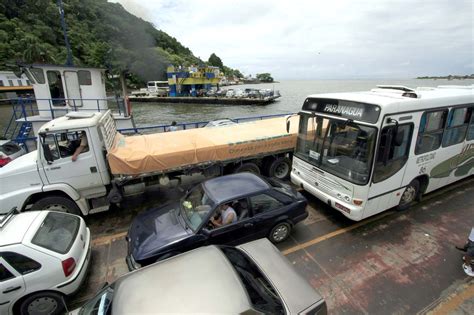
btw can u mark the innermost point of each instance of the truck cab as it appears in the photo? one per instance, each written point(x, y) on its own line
point(68, 172)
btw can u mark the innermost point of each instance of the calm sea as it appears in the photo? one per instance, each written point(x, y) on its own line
point(293, 94)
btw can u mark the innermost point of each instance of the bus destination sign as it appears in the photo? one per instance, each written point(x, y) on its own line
point(346, 109)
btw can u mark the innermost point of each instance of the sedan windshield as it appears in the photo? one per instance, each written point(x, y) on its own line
point(342, 148)
point(196, 207)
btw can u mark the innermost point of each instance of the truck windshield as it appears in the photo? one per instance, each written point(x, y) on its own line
point(340, 147)
point(196, 207)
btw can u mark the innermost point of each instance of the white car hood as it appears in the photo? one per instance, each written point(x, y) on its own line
point(20, 173)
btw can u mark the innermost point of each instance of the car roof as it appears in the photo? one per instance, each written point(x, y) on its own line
point(234, 186)
point(202, 279)
point(14, 230)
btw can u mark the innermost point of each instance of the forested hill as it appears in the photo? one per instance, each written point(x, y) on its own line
point(101, 34)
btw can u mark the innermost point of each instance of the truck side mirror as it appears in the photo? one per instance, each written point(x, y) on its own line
point(48, 156)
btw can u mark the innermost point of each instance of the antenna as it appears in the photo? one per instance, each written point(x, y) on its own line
point(69, 61)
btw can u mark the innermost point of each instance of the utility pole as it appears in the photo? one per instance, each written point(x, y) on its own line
point(69, 61)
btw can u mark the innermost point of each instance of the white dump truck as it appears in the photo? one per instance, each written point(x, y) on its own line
point(83, 164)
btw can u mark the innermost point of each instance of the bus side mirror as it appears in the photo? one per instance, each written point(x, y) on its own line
point(288, 122)
point(48, 156)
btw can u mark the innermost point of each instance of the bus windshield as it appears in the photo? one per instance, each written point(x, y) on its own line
point(340, 147)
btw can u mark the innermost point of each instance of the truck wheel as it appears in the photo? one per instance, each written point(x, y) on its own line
point(56, 203)
point(279, 168)
point(280, 232)
point(42, 303)
point(247, 167)
point(409, 195)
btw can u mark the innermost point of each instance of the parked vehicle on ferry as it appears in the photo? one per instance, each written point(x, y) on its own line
point(221, 122)
point(253, 278)
point(110, 165)
point(9, 151)
point(262, 210)
point(365, 152)
point(44, 256)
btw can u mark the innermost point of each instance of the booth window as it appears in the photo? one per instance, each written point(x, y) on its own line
point(56, 87)
point(38, 75)
point(84, 77)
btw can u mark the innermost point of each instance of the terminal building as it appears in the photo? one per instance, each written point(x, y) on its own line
point(192, 81)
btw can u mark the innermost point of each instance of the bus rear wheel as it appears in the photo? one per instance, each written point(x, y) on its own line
point(409, 196)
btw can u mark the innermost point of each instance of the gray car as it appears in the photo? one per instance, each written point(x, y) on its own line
point(252, 278)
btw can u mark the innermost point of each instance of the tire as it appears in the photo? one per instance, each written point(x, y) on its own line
point(280, 232)
point(56, 203)
point(247, 167)
point(43, 303)
point(409, 196)
point(279, 168)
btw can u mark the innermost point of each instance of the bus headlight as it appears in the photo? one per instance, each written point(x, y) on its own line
point(357, 202)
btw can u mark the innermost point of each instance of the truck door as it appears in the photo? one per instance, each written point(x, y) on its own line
point(82, 174)
point(73, 89)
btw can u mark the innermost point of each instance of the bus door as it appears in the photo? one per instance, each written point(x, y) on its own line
point(391, 159)
point(73, 89)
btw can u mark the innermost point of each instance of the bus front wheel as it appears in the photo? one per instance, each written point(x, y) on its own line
point(409, 196)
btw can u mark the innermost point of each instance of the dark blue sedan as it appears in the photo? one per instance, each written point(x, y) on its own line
point(262, 208)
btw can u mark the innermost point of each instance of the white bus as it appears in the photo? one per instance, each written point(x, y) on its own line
point(365, 152)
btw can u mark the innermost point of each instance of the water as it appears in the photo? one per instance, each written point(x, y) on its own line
point(293, 94)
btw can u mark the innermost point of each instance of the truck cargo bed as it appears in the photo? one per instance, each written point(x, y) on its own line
point(161, 152)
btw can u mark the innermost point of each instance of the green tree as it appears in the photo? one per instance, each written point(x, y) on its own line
point(264, 77)
point(215, 61)
point(102, 34)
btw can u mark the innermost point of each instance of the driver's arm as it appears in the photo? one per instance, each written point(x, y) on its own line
point(80, 148)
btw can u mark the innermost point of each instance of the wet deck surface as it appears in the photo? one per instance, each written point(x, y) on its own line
point(393, 263)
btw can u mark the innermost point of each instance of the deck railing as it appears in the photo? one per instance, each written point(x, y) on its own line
point(191, 125)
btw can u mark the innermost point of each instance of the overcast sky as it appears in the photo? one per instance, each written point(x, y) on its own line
point(322, 39)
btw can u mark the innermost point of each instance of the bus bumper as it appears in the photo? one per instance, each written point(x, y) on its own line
point(351, 211)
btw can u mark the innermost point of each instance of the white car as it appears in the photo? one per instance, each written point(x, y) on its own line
point(221, 122)
point(9, 151)
point(44, 256)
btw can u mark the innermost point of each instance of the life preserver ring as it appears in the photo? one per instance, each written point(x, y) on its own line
point(129, 105)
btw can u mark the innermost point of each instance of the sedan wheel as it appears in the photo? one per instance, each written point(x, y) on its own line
point(280, 232)
point(42, 303)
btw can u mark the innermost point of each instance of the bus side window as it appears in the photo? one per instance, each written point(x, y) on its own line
point(430, 131)
point(470, 132)
point(391, 157)
point(458, 121)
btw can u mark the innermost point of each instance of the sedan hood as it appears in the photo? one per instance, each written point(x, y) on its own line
point(155, 229)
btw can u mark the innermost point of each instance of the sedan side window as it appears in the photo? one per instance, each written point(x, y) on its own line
point(22, 264)
point(263, 203)
point(5, 274)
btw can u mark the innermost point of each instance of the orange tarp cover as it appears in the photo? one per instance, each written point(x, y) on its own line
point(166, 151)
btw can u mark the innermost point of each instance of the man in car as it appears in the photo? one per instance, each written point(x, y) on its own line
point(227, 216)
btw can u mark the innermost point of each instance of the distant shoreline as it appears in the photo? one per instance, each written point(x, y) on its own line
point(448, 77)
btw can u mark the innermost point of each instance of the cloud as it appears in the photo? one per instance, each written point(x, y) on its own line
point(312, 39)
